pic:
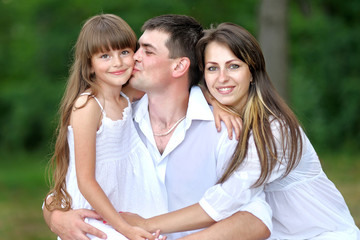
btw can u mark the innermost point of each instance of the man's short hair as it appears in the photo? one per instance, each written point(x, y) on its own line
point(184, 33)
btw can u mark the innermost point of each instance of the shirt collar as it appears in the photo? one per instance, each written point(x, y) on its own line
point(198, 108)
point(140, 108)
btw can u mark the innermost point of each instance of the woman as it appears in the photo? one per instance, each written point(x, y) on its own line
point(273, 153)
point(305, 203)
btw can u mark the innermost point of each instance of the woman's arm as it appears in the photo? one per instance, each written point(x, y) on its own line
point(185, 219)
point(231, 119)
point(240, 226)
point(84, 122)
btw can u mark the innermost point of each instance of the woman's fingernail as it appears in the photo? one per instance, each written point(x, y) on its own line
point(104, 222)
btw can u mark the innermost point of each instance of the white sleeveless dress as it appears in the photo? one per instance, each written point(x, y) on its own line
point(124, 170)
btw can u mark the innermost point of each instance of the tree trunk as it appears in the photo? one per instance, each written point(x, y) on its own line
point(273, 41)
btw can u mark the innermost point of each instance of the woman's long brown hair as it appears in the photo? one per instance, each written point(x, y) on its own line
point(263, 105)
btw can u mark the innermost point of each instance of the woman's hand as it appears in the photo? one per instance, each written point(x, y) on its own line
point(232, 121)
point(223, 113)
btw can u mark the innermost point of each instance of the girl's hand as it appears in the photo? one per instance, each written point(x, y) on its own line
point(134, 220)
point(137, 233)
point(232, 121)
point(158, 236)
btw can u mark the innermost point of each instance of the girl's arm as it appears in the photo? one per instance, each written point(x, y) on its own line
point(221, 113)
point(85, 123)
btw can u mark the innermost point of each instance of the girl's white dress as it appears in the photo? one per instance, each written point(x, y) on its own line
point(122, 171)
point(305, 203)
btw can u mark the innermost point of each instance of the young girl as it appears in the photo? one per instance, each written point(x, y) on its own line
point(98, 152)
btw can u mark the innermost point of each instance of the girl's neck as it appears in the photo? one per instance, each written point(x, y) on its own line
point(109, 93)
point(112, 102)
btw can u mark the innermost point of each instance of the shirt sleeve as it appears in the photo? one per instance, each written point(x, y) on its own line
point(236, 193)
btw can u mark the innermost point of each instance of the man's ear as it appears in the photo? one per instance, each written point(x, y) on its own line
point(182, 66)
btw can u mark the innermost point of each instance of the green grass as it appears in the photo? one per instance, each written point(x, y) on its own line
point(23, 187)
point(343, 169)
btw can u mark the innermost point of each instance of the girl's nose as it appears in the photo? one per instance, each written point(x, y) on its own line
point(117, 61)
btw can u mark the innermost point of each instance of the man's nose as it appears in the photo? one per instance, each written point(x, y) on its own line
point(136, 55)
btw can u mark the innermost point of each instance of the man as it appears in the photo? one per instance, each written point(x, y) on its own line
point(177, 127)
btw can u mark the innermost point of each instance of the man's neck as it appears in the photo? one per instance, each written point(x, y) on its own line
point(165, 112)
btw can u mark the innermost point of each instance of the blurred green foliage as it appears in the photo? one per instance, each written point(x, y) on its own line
point(37, 36)
point(325, 71)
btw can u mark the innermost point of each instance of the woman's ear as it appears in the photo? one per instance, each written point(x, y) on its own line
point(182, 66)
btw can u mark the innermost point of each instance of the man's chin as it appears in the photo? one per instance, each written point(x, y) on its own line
point(132, 82)
point(131, 79)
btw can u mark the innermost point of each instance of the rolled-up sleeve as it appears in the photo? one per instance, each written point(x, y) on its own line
point(237, 194)
point(219, 204)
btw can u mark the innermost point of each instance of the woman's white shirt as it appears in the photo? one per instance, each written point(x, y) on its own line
point(305, 203)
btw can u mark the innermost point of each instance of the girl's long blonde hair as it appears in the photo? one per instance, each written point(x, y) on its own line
point(99, 33)
point(263, 105)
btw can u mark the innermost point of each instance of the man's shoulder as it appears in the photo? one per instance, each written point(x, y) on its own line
point(208, 131)
point(140, 107)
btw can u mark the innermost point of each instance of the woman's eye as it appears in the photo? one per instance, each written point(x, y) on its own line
point(125, 52)
point(234, 66)
point(211, 68)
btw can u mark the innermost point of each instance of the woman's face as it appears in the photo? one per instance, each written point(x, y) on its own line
point(227, 77)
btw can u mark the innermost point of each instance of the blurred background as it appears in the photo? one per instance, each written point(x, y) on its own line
point(312, 49)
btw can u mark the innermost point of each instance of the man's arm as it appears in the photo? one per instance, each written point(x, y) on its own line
point(240, 226)
point(70, 225)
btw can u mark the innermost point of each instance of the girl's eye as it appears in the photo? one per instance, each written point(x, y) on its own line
point(105, 56)
point(125, 52)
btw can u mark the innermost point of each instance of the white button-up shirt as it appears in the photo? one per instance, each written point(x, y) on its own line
point(194, 158)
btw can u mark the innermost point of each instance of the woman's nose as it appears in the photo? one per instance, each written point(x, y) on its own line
point(224, 75)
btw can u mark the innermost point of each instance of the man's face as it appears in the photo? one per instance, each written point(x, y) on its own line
point(153, 66)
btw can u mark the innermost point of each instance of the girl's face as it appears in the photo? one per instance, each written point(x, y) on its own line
point(113, 67)
point(227, 77)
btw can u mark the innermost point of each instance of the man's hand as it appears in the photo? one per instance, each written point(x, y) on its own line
point(70, 225)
